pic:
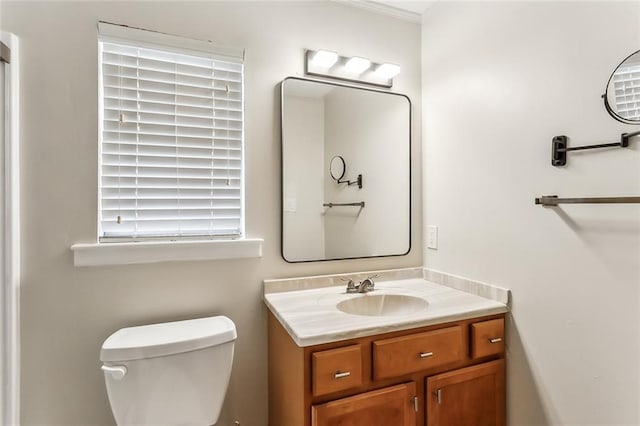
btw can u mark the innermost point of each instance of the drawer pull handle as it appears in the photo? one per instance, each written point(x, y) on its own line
point(426, 354)
point(340, 375)
point(496, 340)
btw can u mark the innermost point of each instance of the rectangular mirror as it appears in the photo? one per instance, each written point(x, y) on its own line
point(346, 172)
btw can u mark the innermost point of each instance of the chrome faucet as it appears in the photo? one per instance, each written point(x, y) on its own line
point(365, 285)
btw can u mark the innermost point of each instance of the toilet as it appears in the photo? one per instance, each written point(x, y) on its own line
point(173, 373)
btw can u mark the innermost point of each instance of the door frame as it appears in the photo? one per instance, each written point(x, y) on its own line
point(10, 241)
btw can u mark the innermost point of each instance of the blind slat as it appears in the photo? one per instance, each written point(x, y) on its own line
point(151, 133)
point(123, 118)
point(153, 155)
point(184, 83)
point(217, 144)
point(218, 94)
point(112, 94)
point(150, 138)
point(208, 113)
point(117, 69)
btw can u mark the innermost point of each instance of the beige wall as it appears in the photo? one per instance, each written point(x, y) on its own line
point(67, 312)
point(500, 80)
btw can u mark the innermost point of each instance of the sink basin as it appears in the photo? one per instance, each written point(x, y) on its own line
point(382, 305)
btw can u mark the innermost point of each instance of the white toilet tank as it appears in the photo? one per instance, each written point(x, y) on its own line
point(173, 373)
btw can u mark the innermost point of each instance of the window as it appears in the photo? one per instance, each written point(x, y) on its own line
point(171, 137)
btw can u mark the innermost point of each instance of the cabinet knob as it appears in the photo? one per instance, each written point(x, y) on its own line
point(342, 375)
point(438, 394)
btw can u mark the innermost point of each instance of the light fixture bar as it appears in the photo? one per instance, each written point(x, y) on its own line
point(323, 63)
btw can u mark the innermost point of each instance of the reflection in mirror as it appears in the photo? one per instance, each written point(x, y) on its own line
point(328, 132)
point(622, 97)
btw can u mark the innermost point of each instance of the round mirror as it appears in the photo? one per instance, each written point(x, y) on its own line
point(337, 168)
point(622, 97)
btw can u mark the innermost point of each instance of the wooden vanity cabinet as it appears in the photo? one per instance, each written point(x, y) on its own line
point(443, 375)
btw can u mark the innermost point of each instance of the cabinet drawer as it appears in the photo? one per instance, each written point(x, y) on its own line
point(487, 338)
point(336, 369)
point(407, 354)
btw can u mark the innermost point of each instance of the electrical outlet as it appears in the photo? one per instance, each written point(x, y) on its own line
point(432, 237)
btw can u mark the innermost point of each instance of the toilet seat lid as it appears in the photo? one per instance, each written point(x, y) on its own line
point(149, 341)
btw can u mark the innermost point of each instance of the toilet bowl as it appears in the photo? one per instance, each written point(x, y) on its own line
point(173, 373)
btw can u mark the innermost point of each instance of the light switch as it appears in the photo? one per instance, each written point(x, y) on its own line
point(290, 204)
point(432, 237)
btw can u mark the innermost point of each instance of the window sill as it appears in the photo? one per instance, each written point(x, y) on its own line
point(98, 254)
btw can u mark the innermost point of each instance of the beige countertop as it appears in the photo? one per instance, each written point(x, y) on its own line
point(311, 315)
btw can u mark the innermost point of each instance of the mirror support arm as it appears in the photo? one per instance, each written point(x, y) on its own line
point(352, 182)
point(559, 147)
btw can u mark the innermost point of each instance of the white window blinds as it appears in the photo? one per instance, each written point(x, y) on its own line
point(626, 82)
point(171, 143)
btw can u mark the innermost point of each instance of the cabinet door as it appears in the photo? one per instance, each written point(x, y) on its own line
point(472, 396)
point(395, 405)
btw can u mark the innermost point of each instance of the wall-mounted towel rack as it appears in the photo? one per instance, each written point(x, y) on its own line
point(559, 148)
point(554, 200)
point(359, 204)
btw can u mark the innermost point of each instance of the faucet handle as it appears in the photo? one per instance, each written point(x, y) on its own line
point(369, 279)
point(367, 284)
point(351, 286)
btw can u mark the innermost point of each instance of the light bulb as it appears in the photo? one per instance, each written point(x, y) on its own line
point(324, 58)
point(388, 70)
point(357, 65)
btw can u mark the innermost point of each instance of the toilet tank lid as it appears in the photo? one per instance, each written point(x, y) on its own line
point(149, 341)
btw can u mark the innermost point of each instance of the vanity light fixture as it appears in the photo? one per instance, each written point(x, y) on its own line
point(324, 63)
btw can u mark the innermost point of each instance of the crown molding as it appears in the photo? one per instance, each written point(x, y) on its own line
point(384, 9)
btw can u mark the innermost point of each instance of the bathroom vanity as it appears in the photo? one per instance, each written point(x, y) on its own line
point(439, 364)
